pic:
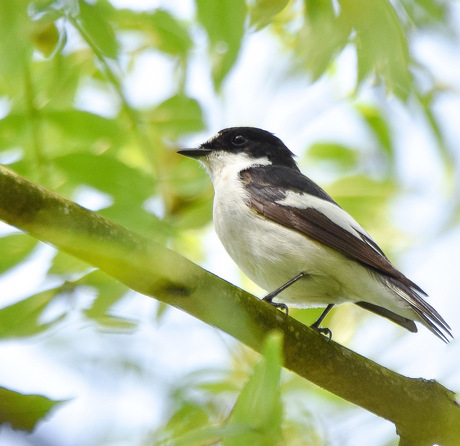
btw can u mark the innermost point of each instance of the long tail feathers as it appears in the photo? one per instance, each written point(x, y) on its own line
point(408, 324)
point(424, 311)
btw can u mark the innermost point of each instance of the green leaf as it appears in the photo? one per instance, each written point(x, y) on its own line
point(134, 217)
point(381, 43)
point(163, 31)
point(188, 181)
point(85, 126)
point(364, 198)
point(259, 406)
point(108, 175)
point(425, 12)
point(169, 35)
point(113, 324)
point(264, 11)
point(109, 291)
point(379, 127)
point(322, 37)
point(184, 422)
point(12, 128)
point(97, 29)
point(23, 411)
point(56, 81)
point(224, 24)
point(45, 37)
point(15, 47)
point(255, 419)
point(63, 263)
point(23, 318)
point(196, 215)
point(15, 248)
point(178, 115)
point(210, 436)
point(427, 103)
point(129, 187)
point(337, 153)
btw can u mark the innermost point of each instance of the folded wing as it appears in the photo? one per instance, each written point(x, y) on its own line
point(294, 201)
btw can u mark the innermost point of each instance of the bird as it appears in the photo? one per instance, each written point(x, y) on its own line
point(293, 240)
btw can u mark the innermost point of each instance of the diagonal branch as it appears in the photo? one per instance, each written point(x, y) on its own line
point(424, 412)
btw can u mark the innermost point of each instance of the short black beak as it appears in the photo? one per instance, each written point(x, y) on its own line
point(194, 153)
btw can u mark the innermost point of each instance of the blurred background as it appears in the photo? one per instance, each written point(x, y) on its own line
point(96, 97)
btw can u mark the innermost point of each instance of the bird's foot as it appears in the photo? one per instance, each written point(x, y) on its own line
point(324, 331)
point(316, 325)
point(269, 297)
point(283, 307)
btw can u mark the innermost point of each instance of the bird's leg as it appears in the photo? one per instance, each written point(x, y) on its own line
point(316, 325)
point(269, 297)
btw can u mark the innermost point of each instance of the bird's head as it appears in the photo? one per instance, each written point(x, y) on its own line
point(241, 148)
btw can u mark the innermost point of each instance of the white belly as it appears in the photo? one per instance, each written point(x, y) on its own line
point(271, 261)
point(271, 254)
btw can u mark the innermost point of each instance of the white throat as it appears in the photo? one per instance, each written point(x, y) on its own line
point(223, 166)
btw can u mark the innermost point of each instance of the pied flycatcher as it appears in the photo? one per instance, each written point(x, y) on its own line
point(291, 238)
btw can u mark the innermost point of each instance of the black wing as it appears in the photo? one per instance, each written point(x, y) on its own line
point(267, 186)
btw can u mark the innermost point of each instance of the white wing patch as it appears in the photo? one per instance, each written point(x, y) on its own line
point(332, 211)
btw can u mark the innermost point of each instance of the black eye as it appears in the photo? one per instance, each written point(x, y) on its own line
point(239, 140)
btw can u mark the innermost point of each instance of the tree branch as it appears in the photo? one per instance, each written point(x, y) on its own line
point(424, 412)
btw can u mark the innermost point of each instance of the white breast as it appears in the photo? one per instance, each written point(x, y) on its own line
point(268, 253)
point(271, 254)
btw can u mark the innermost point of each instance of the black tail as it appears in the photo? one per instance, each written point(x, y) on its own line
point(423, 310)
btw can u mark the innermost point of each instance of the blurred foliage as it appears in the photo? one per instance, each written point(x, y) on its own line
point(245, 405)
point(256, 417)
point(23, 411)
point(56, 57)
point(23, 318)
